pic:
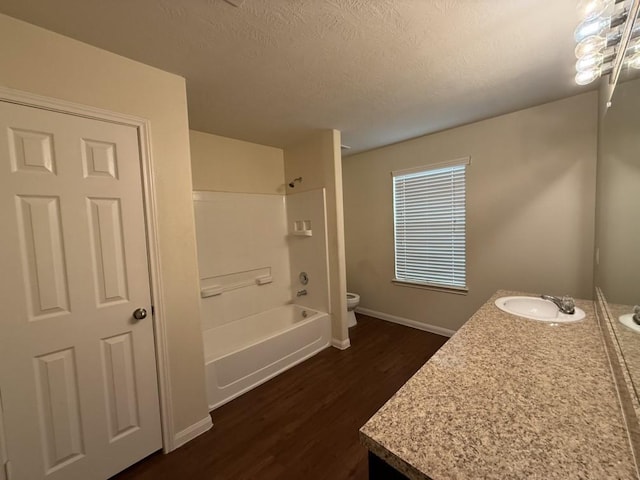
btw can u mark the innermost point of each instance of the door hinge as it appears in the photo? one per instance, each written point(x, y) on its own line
point(153, 310)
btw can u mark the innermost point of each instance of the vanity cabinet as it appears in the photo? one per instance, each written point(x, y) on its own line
point(381, 470)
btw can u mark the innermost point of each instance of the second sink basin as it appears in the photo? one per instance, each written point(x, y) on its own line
point(536, 308)
point(627, 321)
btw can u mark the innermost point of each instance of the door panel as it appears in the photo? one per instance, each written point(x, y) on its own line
point(77, 372)
point(107, 245)
point(44, 267)
point(31, 151)
point(59, 410)
point(120, 386)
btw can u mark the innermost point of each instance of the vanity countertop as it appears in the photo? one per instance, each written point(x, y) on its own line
point(629, 341)
point(508, 398)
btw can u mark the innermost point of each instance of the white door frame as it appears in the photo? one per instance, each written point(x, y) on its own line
point(151, 222)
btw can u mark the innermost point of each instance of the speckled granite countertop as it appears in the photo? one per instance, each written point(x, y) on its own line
point(629, 341)
point(508, 398)
point(623, 345)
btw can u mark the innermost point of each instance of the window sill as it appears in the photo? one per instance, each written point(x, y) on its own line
point(427, 286)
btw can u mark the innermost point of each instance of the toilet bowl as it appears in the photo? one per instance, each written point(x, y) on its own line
point(353, 299)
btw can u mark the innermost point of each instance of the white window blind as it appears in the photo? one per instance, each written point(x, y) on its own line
point(429, 219)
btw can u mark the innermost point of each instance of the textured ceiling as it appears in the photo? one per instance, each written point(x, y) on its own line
point(381, 71)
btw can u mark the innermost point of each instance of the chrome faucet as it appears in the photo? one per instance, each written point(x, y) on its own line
point(301, 293)
point(565, 304)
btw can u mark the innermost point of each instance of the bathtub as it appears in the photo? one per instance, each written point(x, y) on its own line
point(247, 352)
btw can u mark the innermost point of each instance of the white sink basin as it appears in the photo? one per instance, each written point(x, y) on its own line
point(627, 321)
point(536, 308)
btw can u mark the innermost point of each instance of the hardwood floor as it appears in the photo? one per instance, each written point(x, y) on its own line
point(303, 424)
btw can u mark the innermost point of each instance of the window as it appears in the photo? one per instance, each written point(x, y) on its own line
point(429, 216)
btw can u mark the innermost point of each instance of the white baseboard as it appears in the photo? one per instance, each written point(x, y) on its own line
point(445, 332)
point(192, 432)
point(341, 344)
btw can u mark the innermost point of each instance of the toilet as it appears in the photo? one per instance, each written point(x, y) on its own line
point(353, 299)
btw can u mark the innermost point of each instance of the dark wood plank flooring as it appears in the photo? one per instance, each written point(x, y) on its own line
point(304, 423)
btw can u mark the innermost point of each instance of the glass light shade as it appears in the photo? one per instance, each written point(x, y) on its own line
point(590, 9)
point(592, 44)
point(634, 46)
point(589, 28)
point(588, 62)
point(588, 76)
point(634, 61)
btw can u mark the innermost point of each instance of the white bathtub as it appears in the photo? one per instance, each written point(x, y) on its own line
point(247, 352)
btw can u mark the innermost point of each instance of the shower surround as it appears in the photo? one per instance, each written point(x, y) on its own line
point(250, 255)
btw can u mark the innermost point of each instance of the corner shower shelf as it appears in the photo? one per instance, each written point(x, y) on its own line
point(302, 233)
point(302, 228)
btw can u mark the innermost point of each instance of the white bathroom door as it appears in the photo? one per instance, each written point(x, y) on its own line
point(77, 370)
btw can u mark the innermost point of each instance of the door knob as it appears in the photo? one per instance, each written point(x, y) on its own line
point(139, 313)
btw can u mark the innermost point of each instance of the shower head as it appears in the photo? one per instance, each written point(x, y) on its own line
point(292, 183)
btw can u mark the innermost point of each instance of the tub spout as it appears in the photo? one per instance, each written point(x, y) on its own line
point(301, 293)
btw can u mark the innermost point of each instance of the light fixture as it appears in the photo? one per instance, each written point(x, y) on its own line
point(590, 28)
point(589, 62)
point(590, 9)
point(607, 39)
point(589, 45)
point(587, 76)
point(634, 60)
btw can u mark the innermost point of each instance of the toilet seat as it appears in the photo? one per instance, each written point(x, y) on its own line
point(352, 300)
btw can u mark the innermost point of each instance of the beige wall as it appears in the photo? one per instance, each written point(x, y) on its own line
point(38, 61)
point(530, 210)
point(618, 197)
point(224, 164)
point(317, 159)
